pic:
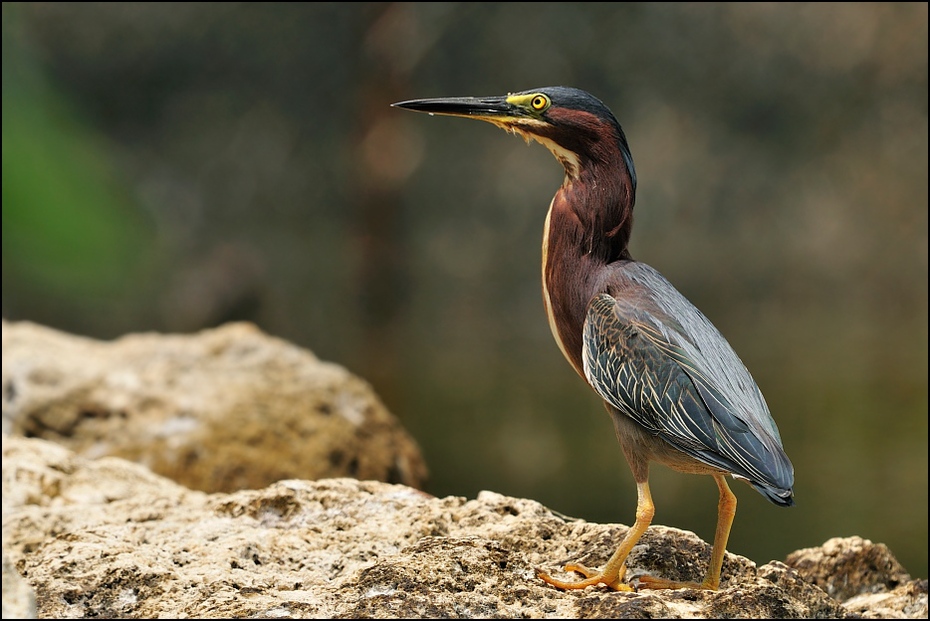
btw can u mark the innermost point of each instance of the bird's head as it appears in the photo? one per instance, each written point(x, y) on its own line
point(574, 125)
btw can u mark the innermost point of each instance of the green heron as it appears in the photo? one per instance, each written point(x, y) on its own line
point(677, 392)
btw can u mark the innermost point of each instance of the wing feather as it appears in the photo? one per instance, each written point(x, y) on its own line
point(665, 366)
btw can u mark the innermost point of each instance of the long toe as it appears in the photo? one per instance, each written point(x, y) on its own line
point(592, 578)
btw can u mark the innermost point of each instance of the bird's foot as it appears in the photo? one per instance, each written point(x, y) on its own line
point(651, 582)
point(592, 578)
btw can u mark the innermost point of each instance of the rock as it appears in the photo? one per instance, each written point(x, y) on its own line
point(908, 601)
point(107, 538)
point(225, 409)
point(864, 576)
point(19, 600)
point(845, 567)
point(88, 534)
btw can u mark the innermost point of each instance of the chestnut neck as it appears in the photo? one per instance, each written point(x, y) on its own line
point(588, 228)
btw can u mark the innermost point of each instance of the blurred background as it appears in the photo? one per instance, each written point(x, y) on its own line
point(172, 167)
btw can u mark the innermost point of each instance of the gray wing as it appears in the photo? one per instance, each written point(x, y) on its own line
point(654, 357)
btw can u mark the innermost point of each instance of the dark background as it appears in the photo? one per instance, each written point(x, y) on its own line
point(174, 166)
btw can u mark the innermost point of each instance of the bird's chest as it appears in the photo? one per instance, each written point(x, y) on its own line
point(568, 278)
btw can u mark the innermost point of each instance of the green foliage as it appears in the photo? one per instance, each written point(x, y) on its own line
point(67, 222)
point(71, 231)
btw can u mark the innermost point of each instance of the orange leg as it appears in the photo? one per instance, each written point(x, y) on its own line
point(613, 572)
point(726, 511)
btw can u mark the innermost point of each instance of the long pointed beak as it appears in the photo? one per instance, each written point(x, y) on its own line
point(483, 108)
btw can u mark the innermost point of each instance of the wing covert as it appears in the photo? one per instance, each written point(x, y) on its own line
point(638, 359)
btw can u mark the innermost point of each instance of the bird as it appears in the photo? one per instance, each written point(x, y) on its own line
point(676, 391)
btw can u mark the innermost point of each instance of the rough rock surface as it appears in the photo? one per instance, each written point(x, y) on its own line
point(107, 538)
point(225, 409)
point(864, 575)
point(19, 599)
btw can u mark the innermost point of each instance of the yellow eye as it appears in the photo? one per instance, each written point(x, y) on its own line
point(540, 103)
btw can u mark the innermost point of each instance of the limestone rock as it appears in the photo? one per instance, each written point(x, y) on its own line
point(908, 601)
point(19, 600)
point(225, 409)
point(865, 576)
point(845, 567)
point(107, 538)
